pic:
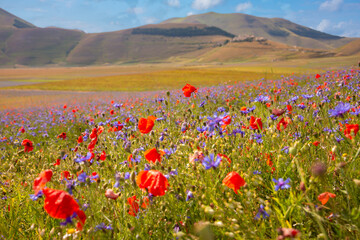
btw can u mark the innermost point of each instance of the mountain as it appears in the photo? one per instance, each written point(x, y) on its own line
point(198, 38)
point(9, 21)
point(274, 29)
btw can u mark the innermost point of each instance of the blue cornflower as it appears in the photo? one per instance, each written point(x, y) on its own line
point(306, 96)
point(35, 197)
point(209, 162)
point(281, 184)
point(258, 138)
point(261, 213)
point(202, 103)
point(102, 226)
point(127, 175)
point(340, 110)
point(285, 149)
point(221, 109)
point(273, 117)
point(256, 172)
point(82, 177)
point(262, 99)
point(189, 195)
point(301, 118)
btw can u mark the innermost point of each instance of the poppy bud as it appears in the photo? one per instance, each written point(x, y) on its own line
point(302, 186)
point(318, 169)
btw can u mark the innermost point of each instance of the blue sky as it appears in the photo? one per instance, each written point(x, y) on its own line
point(340, 17)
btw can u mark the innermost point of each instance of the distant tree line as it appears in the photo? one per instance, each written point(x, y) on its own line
point(183, 32)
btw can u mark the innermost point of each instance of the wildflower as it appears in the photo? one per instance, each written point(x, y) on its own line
point(209, 162)
point(283, 123)
point(325, 196)
point(36, 196)
point(62, 136)
point(316, 143)
point(134, 206)
point(196, 156)
point(278, 112)
point(340, 110)
point(351, 128)
point(152, 155)
point(188, 90)
point(255, 123)
point(28, 145)
point(287, 233)
point(40, 182)
point(102, 226)
point(258, 138)
point(146, 125)
point(234, 181)
point(154, 181)
point(57, 162)
point(59, 204)
point(261, 213)
point(189, 195)
point(281, 184)
point(110, 194)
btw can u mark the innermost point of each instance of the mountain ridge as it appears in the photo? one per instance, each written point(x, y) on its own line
point(203, 37)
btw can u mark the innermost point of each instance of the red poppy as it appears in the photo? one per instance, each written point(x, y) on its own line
point(154, 181)
point(80, 139)
point(289, 108)
point(234, 181)
point(316, 143)
point(134, 206)
point(22, 130)
point(188, 90)
point(40, 182)
point(65, 174)
point(255, 123)
point(146, 125)
point(282, 122)
point(103, 156)
point(28, 145)
point(62, 135)
point(152, 155)
point(112, 112)
point(226, 121)
point(351, 128)
point(60, 204)
point(92, 144)
point(57, 162)
point(318, 76)
point(324, 197)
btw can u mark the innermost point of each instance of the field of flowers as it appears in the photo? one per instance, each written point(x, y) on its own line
point(253, 160)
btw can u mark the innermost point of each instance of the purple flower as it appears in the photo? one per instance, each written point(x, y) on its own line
point(261, 213)
point(82, 177)
point(189, 195)
point(35, 197)
point(340, 110)
point(209, 162)
point(281, 184)
point(102, 226)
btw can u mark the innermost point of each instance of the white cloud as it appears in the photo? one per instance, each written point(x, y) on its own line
point(151, 20)
point(331, 5)
point(173, 3)
point(243, 7)
point(205, 4)
point(189, 14)
point(323, 25)
point(136, 10)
